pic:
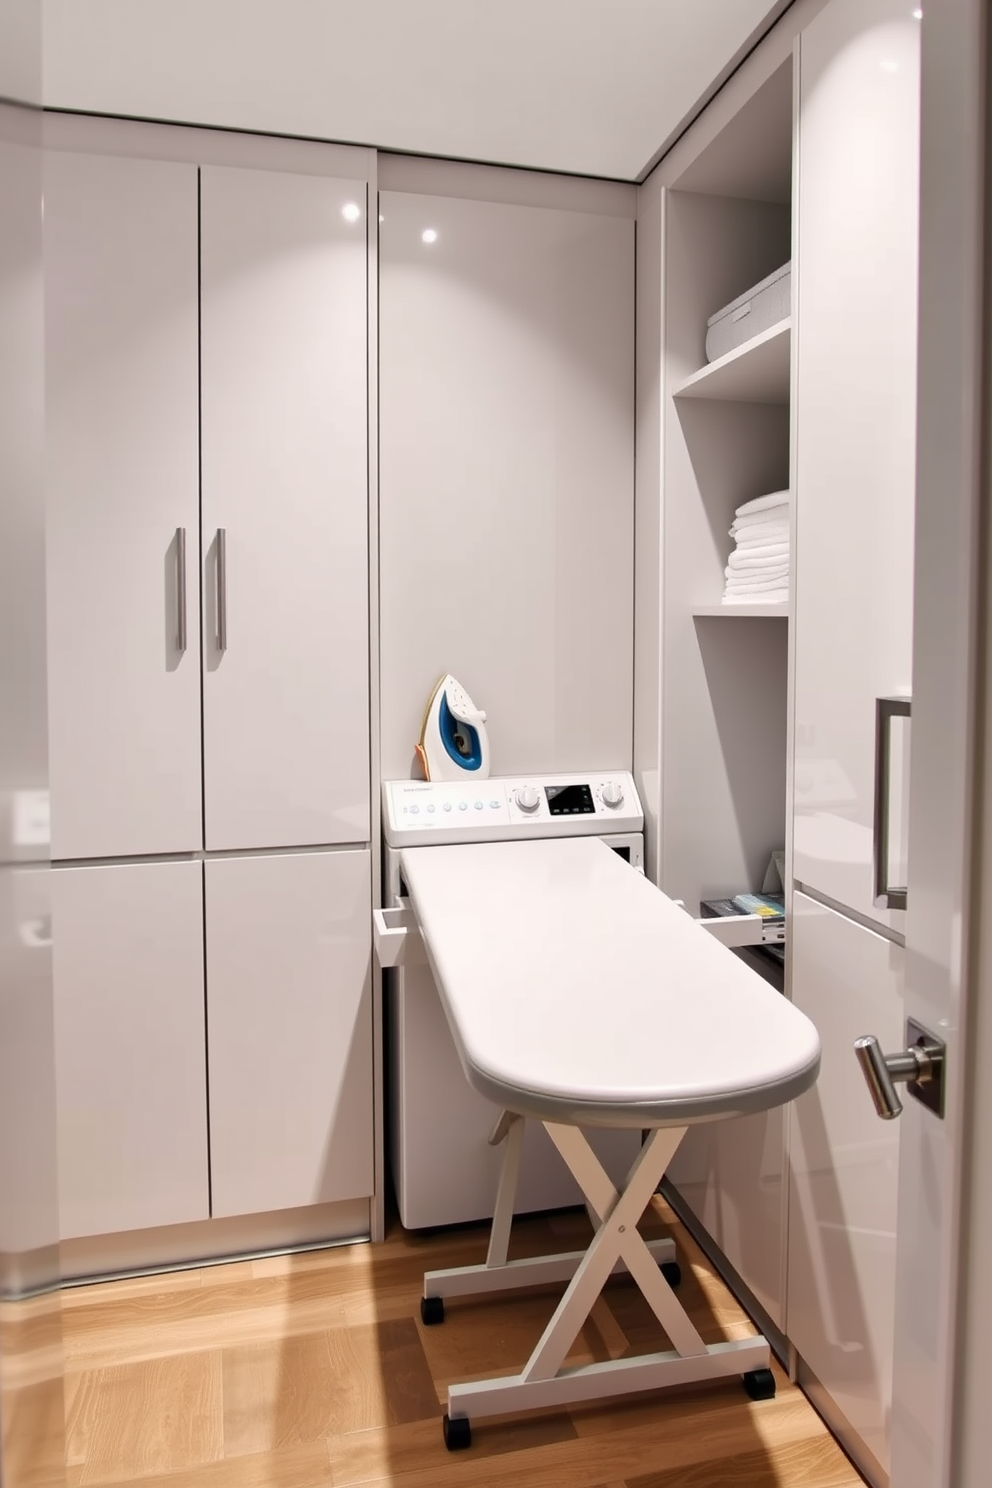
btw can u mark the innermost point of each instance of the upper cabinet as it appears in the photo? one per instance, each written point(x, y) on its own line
point(122, 480)
point(285, 508)
point(207, 415)
point(856, 446)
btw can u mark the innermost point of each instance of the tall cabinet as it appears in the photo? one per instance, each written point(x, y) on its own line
point(209, 686)
point(855, 474)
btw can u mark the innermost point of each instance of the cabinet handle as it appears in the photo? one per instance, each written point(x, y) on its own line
point(887, 896)
point(180, 589)
point(221, 588)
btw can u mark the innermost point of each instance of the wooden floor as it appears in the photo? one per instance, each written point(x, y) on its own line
point(310, 1370)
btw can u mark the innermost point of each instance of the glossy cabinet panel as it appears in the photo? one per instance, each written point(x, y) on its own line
point(844, 1172)
point(122, 478)
point(289, 997)
point(130, 1067)
point(506, 370)
point(285, 479)
point(855, 430)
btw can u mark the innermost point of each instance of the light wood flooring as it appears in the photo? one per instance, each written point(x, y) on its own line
point(314, 1371)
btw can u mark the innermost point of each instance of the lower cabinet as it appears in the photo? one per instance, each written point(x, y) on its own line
point(844, 1176)
point(182, 1098)
point(131, 1090)
point(289, 1030)
point(730, 1174)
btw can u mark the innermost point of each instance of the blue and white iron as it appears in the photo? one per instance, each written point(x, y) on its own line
point(453, 740)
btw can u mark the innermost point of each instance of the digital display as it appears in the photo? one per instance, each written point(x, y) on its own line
point(569, 800)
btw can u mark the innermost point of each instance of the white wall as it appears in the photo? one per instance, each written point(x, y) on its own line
point(506, 442)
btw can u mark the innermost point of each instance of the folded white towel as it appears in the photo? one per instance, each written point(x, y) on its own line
point(774, 557)
point(760, 522)
point(763, 503)
point(760, 537)
point(765, 597)
point(740, 583)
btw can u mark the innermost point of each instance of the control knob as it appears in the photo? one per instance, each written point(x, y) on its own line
point(527, 798)
point(612, 793)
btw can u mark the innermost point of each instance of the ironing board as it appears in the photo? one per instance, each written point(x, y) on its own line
point(579, 995)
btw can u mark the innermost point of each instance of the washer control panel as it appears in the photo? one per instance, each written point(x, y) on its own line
point(421, 811)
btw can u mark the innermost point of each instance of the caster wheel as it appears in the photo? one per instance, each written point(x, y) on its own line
point(759, 1384)
point(672, 1272)
point(457, 1433)
point(431, 1311)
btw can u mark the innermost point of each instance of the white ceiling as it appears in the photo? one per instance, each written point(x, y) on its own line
point(597, 87)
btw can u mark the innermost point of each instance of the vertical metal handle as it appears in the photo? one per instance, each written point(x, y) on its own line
point(221, 589)
point(180, 588)
point(879, 1080)
point(886, 895)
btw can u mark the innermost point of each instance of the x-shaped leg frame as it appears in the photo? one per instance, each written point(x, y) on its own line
point(615, 1246)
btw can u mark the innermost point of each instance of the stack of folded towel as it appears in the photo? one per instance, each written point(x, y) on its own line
point(758, 570)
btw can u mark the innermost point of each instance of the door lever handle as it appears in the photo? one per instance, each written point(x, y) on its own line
point(920, 1066)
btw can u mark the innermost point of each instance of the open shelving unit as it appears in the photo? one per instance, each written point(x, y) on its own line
point(724, 688)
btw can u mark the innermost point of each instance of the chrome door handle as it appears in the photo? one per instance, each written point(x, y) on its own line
point(221, 588)
point(920, 1066)
point(180, 588)
point(886, 895)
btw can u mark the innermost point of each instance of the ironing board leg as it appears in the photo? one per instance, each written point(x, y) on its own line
point(616, 1243)
point(509, 1129)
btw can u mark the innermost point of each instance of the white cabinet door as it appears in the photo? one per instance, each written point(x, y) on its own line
point(285, 460)
point(855, 430)
point(289, 1030)
point(122, 484)
point(129, 1046)
point(844, 1167)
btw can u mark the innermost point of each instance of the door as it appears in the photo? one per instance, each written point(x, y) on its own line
point(289, 1017)
point(129, 1046)
point(938, 1411)
point(285, 509)
point(122, 503)
point(940, 1417)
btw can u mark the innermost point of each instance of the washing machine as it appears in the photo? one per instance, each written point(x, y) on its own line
point(444, 1170)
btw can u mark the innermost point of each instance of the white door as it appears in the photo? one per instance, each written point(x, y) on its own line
point(927, 1384)
point(855, 437)
point(122, 505)
point(129, 1046)
point(289, 1018)
point(940, 1417)
point(285, 509)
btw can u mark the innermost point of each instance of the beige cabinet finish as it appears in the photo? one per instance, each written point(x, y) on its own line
point(122, 480)
point(289, 1030)
point(130, 1066)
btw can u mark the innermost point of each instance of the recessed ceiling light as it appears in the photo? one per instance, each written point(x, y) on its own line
point(917, 15)
point(429, 235)
point(351, 212)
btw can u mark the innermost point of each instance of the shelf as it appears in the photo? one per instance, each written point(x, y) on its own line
point(751, 611)
point(757, 372)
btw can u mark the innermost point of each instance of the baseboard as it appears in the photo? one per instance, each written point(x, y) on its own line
point(213, 1242)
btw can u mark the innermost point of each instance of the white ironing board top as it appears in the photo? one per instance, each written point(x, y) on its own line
point(576, 991)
